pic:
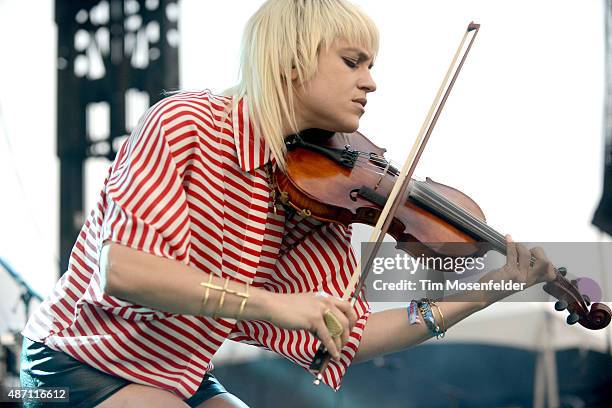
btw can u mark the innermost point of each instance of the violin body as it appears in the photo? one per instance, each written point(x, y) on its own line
point(340, 194)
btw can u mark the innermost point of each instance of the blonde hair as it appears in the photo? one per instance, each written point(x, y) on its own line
point(286, 34)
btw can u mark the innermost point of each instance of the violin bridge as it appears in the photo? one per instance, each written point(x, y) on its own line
point(378, 182)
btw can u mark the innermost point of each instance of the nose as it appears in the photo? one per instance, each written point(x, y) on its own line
point(366, 82)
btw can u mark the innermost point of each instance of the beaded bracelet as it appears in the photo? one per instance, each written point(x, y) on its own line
point(424, 306)
point(413, 313)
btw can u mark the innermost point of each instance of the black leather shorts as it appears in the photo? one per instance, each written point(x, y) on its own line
point(42, 366)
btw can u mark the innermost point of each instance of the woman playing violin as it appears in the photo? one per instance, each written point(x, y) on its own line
point(186, 248)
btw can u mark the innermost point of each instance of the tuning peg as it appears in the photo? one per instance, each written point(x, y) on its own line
point(562, 270)
point(574, 282)
point(587, 299)
point(560, 305)
point(572, 318)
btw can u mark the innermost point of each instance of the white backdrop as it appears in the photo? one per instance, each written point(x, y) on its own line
point(521, 133)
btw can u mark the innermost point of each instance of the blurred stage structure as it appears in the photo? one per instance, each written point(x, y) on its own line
point(603, 215)
point(17, 298)
point(114, 59)
point(432, 375)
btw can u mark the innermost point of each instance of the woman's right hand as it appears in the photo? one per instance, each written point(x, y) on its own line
point(304, 311)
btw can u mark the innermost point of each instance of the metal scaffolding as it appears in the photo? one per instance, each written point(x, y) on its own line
point(114, 58)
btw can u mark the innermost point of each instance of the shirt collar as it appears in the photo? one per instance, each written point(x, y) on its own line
point(253, 151)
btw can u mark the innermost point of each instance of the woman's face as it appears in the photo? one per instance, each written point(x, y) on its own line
point(334, 99)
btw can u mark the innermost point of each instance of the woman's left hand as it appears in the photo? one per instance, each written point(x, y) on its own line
point(523, 265)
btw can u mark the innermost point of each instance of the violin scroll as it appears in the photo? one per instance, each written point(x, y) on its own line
point(569, 297)
point(598, 317)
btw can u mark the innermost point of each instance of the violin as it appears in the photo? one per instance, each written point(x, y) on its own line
point(344, 178)
point(432, 212)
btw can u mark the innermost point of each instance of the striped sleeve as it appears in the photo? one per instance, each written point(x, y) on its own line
point(324, 255)
point(146, 204)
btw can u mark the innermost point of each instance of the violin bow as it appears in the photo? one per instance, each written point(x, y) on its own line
point(321, 358)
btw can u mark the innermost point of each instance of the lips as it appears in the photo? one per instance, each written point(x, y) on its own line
point(361, 101)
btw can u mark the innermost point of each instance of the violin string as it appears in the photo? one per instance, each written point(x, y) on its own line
point(375, 169)
point(449, 208)
point(365, 159)
point(377, 161)
point(370, 155)
point(367, 166)
point(492, 236)
point(363, 162)
point(458, 214)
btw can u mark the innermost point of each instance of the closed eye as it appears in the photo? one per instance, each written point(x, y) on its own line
point(350, 62)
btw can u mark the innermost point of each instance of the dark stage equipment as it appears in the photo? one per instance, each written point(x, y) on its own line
point(113, 57)
point(603, 215)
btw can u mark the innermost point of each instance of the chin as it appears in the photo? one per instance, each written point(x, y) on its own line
point(346, 126)
point(349, 127)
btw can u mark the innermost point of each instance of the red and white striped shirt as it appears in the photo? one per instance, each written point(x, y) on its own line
point(189, 185)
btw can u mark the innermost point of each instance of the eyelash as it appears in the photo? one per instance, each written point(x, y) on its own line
point(350, 62)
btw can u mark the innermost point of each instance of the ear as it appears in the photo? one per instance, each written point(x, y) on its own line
point(294, 74)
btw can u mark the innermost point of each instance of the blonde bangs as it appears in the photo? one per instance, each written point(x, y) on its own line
point(290, 33)
point(353, 25)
